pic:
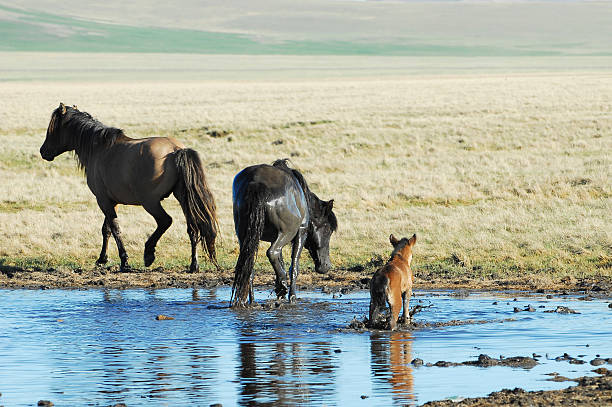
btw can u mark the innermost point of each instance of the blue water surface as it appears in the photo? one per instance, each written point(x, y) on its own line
point(99, 347)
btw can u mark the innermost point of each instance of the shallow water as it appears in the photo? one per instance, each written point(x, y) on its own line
point(100, 347)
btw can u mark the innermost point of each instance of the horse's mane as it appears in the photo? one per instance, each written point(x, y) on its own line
point(85, 133)
point(314, 203)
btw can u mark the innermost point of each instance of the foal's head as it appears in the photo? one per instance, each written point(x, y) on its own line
point(57, 141)
point(403, 247)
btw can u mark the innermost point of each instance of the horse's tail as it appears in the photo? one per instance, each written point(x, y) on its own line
point(378, 297)
point(254, 207)
point(197, 201)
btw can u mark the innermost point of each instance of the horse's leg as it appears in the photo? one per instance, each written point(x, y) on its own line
point(194, 267)
point(395, 302)
point(296, 251)
point(163, 223)
point(275, 255)
point(406, 305)
point(106, 232)
point(108, 208)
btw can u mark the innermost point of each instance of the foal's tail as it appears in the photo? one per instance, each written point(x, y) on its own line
point(197, 201)
point(378, 297)
point(249, 243)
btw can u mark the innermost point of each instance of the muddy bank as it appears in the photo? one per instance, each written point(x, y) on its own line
point(336, 281)
point(590, 391)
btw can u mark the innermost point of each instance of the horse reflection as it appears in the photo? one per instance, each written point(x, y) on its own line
point(277, 373)
point(390, 361)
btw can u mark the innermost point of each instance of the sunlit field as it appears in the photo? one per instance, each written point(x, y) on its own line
point(500, 175)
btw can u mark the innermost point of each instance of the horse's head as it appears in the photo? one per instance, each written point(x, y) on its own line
point(56, 141)
point(403, 247)
point(322, 224)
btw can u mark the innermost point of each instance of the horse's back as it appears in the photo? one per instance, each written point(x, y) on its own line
point(285, 203)
point(135, 171)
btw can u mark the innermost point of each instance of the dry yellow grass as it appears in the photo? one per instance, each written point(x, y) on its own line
point(499, 175)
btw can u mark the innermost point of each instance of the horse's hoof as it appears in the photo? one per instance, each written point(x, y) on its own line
point(125, 269)
point(292, 298)
point(102, 260)
point(280, 290)
point(194, 268)
point(149, 258)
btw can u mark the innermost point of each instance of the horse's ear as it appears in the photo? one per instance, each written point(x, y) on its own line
point(393, 240)
point(330, 206)
point(412, 240)
point(63, 107)
point(75, 107)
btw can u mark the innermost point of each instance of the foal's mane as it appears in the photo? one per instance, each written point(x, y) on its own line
point(314, 203)
point(85, 133)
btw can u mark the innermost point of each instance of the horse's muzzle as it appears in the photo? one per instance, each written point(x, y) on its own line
point(322, 268)
point(46, 155)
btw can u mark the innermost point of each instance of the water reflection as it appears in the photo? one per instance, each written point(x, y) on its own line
point(272, 372)
point(391, 355)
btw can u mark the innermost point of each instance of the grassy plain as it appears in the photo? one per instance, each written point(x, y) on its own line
point(501, 175)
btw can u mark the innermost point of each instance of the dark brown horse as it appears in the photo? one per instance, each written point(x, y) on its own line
point(273, 203)
point(122, 170)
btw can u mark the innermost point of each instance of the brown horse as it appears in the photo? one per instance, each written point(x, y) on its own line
point(392, 283)
point(122, 170)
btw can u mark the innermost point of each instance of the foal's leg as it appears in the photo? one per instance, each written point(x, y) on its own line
point(275, 255)
point(296, 251)
point(108, 207)
point(106, 232)
point(406, 306)
point(395, 302)
point(163, 223)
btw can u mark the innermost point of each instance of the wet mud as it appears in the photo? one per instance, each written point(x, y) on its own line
point(337, 282)
point(363, 325)
point(589, 391)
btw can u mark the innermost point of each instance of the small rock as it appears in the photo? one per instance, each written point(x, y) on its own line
point(417, 362)
point(559, 378)
point(530, 308)
point(443, 363)
point(161, 317)
point(564, 310)
point(363, 397)
point(216, 405)
point(495, 303)
point(337, 350)
point(597, 362)
point(610, 305)
point(549, 297)
point(517, 309)
point(119, 405)
point(45, 403)
point(577, 362)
